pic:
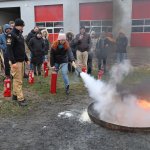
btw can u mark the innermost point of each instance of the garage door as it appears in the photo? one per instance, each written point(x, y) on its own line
point(50, 18)
point(140, 36)
point(96, 16)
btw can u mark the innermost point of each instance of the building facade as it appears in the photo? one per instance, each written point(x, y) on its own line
point(131, 16)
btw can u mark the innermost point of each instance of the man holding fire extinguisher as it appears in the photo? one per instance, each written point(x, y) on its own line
point(17, 56)
point(60, 55)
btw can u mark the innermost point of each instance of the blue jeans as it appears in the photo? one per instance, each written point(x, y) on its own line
point(64, 71)
point(121, 57)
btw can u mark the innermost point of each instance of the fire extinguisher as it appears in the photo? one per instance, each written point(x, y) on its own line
point(7, 87)
point(100, 73)
point(31, 77)
point(53, 83)
point(46, 72)
point(44, 65)
point(84, 69)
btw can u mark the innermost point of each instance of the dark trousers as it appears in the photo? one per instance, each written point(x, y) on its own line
point(102, 63)
point(89, 63)
point(7, 65)
point(37, 68)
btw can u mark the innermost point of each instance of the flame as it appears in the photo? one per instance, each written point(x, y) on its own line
point(144, 104)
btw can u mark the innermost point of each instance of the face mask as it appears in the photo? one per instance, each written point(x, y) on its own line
point(60, 46)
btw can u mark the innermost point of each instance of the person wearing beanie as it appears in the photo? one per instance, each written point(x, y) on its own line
point(60, 56)
point(17, 57)
point(3, 46)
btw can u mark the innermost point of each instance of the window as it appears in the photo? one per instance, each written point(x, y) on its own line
point(137, 22)
point(57, 30)
point(147, 29)
point(147, 22)
point(106, 23)
point(85, 23)
point(141, 25)
point(50, 30)
point(97, 25)
point(52, 27)
point(58, 24)
point(49, 24)
point(40, 24)
point(137, 29)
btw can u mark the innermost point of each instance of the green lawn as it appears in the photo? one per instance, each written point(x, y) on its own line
point(40, 91)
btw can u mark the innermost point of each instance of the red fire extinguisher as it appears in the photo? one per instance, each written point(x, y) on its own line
point(100, 73)
point(84, 69)
point(46, 72)
point(7, 87)
point(44, 65)
point(31, 77)
point(53, 83)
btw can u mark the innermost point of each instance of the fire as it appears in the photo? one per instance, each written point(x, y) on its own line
point(144, 104)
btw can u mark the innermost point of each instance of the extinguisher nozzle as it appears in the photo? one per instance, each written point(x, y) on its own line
point(78, 71)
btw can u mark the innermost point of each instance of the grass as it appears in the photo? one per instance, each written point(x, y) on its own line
point(40, 91)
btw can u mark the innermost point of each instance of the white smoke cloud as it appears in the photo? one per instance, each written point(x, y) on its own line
point(113, 107)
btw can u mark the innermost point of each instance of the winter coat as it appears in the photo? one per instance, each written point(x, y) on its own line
point(16, 46)
point(121, 44)
point(83, 44)
point(60, 53)
point(3, 39)
point(30, 36)
point(46, 42)
point(46, 46)
point(36, 45)
point(102, 48)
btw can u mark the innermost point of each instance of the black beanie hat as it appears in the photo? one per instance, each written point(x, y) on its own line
point(19, 22)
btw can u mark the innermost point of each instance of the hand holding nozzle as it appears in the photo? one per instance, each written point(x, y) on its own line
point(74, 65)
point(76, 68)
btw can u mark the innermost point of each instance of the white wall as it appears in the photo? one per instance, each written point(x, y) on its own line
point(71, 11)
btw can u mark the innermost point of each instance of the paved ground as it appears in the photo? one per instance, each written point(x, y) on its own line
point(43, 129)
point(59, 126)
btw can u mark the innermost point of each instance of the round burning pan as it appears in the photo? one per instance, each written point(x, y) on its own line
point(95, 118)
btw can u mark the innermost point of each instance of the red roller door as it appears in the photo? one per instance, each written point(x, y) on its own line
point(96, 11)
point(96, 16)
point(52, 13)
point(140, 36)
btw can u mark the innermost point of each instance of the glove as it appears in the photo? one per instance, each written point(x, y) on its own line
point(74, 65)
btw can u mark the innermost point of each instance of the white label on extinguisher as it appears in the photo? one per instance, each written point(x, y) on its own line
point(8, 85)
point(32, 74)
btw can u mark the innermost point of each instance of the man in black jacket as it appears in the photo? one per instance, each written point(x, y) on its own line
point(17, 57)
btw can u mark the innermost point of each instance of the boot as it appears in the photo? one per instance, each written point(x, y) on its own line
point(67, 90)
point(23, 103)
point(14, 98)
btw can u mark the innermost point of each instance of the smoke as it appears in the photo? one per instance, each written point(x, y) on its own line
point(111, 105)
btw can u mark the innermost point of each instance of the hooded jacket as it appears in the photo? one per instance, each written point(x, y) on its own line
point(36, 45)
point(3, 38)
point(46, 42)
point(30, 36)
point(60, 53)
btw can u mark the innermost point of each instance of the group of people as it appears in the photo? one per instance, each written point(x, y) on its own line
point(67, 52)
